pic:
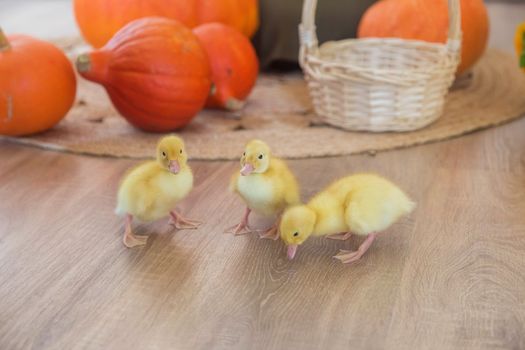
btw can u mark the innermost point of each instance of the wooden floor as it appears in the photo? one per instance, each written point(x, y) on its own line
point(452, 276)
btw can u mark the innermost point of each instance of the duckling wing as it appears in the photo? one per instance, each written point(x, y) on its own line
point(135, 197)
point(375, 208)
point(291, 196)
point(286, 187)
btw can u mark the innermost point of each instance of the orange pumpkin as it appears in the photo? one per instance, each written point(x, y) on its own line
point(242, 15)
point(99, 20)
point(155, 72)
point(37, 85)
point(428, 20)
point(233, 63)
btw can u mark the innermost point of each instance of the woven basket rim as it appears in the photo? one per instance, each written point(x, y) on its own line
point(314, 58)
point(440, 48)
point(387, 41)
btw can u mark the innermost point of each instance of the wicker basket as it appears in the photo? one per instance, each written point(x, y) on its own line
point(378, 84)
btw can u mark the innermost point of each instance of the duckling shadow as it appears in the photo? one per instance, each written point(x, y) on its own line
point(268, 260)
point(380, 252)
point(161, 267)
point(260, 264)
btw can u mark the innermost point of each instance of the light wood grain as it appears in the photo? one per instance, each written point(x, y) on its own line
point(452, 276)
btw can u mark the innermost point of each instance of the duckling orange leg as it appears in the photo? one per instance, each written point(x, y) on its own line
point(243, 227)
point(272, 232)
point(340, 236)
point(130, 240)
point(347, 257)
point(181, 223)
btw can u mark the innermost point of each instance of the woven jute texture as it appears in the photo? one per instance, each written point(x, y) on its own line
point(279, 111)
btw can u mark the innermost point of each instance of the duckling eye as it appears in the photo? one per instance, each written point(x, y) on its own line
point(164, 154)
point(181, 151)
point(296, 234)
point(244, 154)
point(260, 156)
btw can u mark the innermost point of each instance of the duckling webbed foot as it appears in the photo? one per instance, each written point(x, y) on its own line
point(271, 233)
point(130, 240)
point(181, 223)
point(240, 229)
point(347, 257)
point(340, 236)
point(243, 227)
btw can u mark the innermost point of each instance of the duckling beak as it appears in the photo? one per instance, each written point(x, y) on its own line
point(292, 249)
point(247, 169)
point(174, 166)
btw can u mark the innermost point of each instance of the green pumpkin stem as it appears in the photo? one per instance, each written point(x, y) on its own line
point(233, 104)
point(4, 43)
point(213, 89)
point(83, 63)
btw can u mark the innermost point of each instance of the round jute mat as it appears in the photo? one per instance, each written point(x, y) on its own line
point(279, 112)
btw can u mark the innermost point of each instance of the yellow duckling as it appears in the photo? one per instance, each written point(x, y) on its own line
point(364, 204)
point(266, 185)
point(151, 190)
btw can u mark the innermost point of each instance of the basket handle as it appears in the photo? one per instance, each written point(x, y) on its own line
point(308, 32)
point(454, 26)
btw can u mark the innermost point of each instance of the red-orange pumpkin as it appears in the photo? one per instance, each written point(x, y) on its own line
point(242, 15)
point(99, 20)
point(155, 71)
point(233, 63)
point(428, 20)
point(37, 85)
